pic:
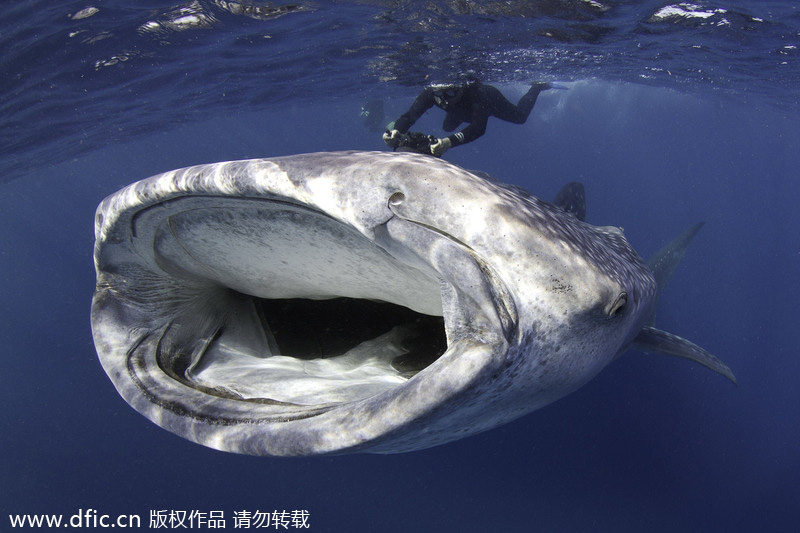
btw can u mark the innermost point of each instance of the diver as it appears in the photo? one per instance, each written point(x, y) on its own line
point(471, 102)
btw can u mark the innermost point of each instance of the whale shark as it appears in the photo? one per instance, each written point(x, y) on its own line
point(351, 302)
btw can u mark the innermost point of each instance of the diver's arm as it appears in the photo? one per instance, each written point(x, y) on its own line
point(423, 102)
point(468, 134)
point(475, 129)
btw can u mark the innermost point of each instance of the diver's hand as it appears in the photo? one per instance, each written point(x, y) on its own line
point(441, 146)
point(392, 138)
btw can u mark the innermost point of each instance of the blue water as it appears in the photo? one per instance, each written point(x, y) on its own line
point(672, 116)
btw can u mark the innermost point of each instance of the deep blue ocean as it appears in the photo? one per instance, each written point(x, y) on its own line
point(675, 113)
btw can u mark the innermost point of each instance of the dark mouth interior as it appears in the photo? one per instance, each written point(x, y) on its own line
point(318, 329)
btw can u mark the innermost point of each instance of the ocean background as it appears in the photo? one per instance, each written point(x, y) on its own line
point(675, 113)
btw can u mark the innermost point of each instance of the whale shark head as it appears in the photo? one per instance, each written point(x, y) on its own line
point(359, 302)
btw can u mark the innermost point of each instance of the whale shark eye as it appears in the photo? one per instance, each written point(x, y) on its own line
point(618, 307)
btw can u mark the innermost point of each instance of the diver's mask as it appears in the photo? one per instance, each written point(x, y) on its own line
point(447, 95)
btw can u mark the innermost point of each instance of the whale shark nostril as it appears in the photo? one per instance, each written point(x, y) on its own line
point(397, 198)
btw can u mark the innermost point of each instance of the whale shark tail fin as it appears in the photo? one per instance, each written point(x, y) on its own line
point(663, 262)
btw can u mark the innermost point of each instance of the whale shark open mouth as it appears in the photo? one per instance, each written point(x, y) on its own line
point(271, 301)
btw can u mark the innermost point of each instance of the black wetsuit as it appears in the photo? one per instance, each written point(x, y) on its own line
point(477, 103)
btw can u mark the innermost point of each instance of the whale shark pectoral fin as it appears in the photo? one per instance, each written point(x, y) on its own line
point(655, 340)
point(572, 199)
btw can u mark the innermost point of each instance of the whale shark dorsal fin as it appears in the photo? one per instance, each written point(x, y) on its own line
point(654, 340)
point(663, 262)
point(572, 199)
